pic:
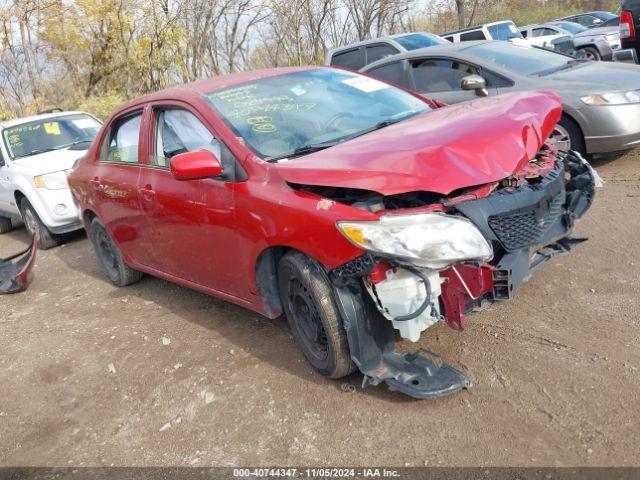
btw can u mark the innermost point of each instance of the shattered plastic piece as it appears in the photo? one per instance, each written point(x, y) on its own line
point(166, 341)
point(166, 426)
point(15, 270)
point(111, 368)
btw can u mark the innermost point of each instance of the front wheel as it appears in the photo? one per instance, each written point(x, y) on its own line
point(111, 261)
point(591, 53)
point(568, 136)
point(312, 315)
point(44, 238)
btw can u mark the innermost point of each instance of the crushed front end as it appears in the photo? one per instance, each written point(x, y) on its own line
point(489, 240)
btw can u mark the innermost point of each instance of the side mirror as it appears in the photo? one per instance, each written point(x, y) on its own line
point(195, 165)
point(475, 82)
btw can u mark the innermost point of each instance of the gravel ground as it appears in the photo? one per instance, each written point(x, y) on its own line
point(156, 374)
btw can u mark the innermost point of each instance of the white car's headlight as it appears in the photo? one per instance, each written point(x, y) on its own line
point(431, 240)
point(614, 98)
point(52, 181)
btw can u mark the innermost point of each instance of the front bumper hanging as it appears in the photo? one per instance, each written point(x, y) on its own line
point(15, 270)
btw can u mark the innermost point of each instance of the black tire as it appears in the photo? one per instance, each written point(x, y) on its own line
point(110, 258)
point(575, 134)
point(5, 225)
point(312, 315)
point(591, 53)
point(44, 238)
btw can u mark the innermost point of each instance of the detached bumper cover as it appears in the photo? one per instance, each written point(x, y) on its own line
point(15, 270)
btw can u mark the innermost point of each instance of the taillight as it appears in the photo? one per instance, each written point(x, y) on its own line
point(627, 29)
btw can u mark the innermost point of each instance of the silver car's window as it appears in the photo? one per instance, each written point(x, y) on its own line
point(504, 31)
point(277, 116)
point(413, 41)
point(49, 134)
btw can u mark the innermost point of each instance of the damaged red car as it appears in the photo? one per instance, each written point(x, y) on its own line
point(353, 207)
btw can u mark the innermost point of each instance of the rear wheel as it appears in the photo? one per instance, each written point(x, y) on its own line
point(591, 53)
point(312, 315)
point(5, 225)
point(110, 258)
point(44, 238)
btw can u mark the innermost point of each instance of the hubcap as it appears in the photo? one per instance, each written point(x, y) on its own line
point(562, 138)
point(30, 221)
point(307, 318)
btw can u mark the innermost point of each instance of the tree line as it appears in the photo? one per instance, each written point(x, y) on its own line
point(95, 54)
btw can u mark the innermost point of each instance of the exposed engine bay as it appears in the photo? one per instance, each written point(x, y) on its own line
point(527, 219)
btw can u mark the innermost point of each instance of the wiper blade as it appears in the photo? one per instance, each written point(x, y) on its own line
point(303, 150)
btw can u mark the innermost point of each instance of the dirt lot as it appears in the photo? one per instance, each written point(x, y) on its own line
point(155, 374)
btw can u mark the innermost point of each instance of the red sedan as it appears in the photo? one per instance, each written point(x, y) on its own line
point(352, 206)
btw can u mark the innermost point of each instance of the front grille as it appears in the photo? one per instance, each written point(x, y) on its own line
point(526, 228)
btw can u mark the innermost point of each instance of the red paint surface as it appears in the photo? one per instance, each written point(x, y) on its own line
point(208, 234)
point(192, 165)
point(455, 298)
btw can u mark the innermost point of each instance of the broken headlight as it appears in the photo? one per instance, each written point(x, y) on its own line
point(430, 240)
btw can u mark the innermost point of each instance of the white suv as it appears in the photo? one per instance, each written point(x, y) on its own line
point(35, 155)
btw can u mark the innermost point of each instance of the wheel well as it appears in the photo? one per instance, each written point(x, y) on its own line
point(266, 275)
point(18, 195)
point(87, 218)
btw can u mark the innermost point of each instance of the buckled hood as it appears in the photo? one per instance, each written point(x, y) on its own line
point(458, 146)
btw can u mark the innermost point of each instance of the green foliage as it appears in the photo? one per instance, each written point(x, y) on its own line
point(102, 106)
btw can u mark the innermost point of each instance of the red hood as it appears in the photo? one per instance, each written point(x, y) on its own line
point(462, 145)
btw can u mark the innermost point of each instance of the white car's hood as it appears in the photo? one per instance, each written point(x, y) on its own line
point(49, 162)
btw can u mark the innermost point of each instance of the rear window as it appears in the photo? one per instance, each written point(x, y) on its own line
point(353, 59)
point(413, 41)
point(391, 72)
point(504, 31)
point(475, 35)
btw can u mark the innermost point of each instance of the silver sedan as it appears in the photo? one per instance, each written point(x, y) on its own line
point(601, 100)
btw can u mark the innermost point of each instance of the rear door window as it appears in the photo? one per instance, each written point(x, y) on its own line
point(440, 75)
point(474, 35)
point(377, 52)
point(123, 140)
point(542, 32)
point(391, 72)
point(352, 59)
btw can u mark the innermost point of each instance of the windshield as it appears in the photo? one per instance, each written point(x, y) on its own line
point(520, 59)
point(292, 114)
point(413, 41)
point(605, 15)
point(49, 134)
point(570, 27)
point(504, 31)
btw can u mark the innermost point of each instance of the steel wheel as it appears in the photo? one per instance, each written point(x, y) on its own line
point(106, 254)
point(30, 221)
point(305, 314)
point(562, 138)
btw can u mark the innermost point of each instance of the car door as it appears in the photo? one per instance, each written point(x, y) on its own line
point(191, 228)
point(441, 78)
point(115, 184)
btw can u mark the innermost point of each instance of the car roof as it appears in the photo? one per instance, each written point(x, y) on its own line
point(32, 118)
point(208, 85)
point(476, 27)
point(431, 51)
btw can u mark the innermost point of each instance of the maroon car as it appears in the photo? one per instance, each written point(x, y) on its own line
point(350, 206)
